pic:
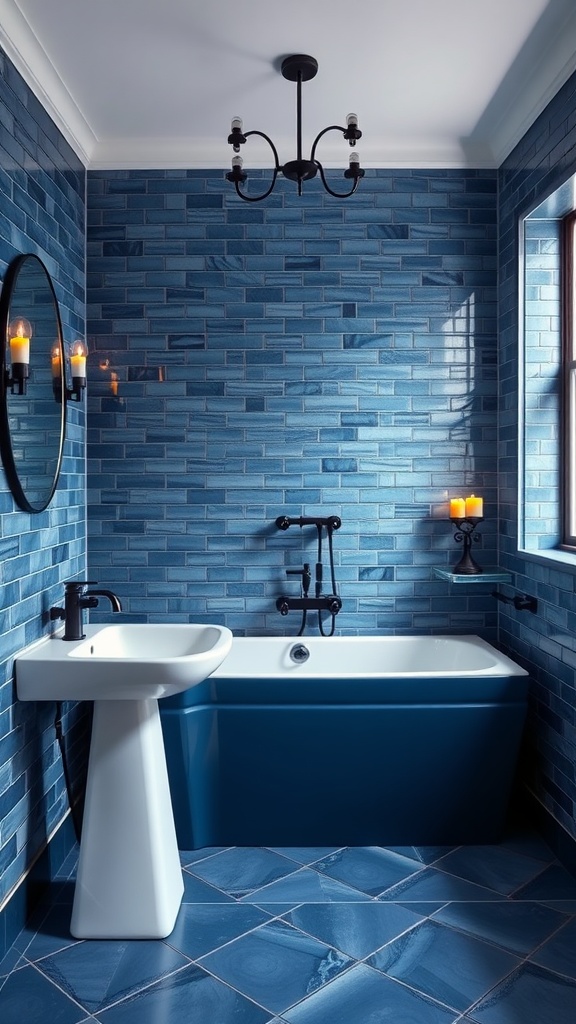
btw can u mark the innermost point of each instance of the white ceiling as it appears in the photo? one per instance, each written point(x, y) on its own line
point(154, 83)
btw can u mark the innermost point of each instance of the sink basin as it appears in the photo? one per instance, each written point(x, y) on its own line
point(125, 662)
point(129, 882)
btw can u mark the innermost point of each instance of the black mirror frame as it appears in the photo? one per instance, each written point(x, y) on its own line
point(6, 451)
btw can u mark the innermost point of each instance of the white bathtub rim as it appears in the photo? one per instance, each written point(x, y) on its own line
point(413, 657)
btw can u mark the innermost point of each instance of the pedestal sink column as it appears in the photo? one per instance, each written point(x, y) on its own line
point(129, 883)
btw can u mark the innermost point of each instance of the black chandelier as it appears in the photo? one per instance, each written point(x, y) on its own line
point(297, 68)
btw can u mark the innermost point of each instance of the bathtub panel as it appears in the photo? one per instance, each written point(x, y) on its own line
point(342, 775)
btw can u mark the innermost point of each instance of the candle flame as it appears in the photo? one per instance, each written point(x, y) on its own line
point(79, 348)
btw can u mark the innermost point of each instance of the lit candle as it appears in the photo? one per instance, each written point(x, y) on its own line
point(20, 334)
point(78, 359)
point(55, 361)
point(474, 507)
point(457, 508)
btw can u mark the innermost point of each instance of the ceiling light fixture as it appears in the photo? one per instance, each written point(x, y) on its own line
point(297, 68)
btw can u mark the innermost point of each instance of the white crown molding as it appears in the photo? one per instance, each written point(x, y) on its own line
point(528, 88)
point(199, 154)
point(31, 60)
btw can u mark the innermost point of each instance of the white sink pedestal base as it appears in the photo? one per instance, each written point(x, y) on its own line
point(129, 883)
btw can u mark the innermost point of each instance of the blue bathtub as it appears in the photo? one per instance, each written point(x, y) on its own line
point(370, 741)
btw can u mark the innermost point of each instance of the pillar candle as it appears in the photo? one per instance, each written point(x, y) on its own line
point(474, 506)
point(78, 359)
point(20, 350)
point(457, 508)
point(55, 362)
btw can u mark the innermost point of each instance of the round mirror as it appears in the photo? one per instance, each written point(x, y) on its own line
point(33, 385)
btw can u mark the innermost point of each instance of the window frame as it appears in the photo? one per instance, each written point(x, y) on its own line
point(568, 421)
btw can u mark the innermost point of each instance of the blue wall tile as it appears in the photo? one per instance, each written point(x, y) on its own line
point(304, 331)
point(545, 642)
point(37, 551)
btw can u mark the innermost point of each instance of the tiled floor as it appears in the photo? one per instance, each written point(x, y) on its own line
point(409, 935)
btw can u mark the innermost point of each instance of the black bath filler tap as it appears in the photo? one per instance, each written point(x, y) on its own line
point(331, 603)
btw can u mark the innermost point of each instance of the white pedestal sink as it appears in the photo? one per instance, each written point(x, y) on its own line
point(129, 883)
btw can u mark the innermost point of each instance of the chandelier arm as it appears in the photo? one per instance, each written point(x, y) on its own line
point(330, 128)
point(270, 143)
point(264, 195)
point(337, 195)
point(256, 199)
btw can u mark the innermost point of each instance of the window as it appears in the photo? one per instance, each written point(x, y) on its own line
point(569, 379)
point(547, 379)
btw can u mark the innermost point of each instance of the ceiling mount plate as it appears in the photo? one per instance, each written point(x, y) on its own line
point(299, 63)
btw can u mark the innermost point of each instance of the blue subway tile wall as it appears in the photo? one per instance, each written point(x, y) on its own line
point(42, 211)
point(305, 356)
point(541, 162)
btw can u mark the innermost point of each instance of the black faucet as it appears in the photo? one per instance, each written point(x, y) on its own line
point(306, 577)
point(328, 602)
point(76, 598)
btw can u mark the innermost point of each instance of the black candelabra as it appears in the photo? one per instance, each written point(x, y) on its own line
point(465, 532)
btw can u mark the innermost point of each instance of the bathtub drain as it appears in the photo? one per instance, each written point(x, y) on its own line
point(299, 653)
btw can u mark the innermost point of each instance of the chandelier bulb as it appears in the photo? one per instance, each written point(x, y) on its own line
point(352, 120)
point(237, 175)
point(236, 137)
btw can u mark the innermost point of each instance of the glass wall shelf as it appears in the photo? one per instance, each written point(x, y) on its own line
point(490, 575)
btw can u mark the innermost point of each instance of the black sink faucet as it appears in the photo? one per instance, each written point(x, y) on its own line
point(76, 598)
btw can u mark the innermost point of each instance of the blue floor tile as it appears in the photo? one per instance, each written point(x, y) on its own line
point(357, 929)
point(437, 886)
point(554, 883)
point(305, 886)
point(52, 934)
point(276, 965)
point(370, 869)
point(518, 927)
point(202, 928)
point(240, 871)
point(28, 997)
point(531, 995)
point(10, 962)
point(305, 854)
point(97, 974)
point(188, 857)
point(466, 935)
point(197, 891)
point(364, 996)
point(559, 953)
point(190, 995)
point(494, 867)
point(452, 968)
point(423, 854)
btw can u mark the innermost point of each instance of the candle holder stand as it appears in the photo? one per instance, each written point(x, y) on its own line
point(465, 532)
